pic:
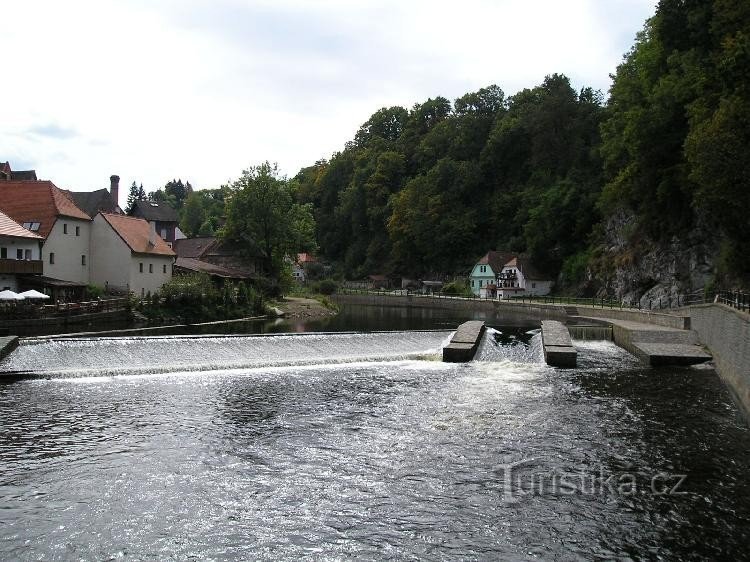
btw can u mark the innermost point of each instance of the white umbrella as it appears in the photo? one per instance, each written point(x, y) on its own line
point(32, 294)
point(7, 295)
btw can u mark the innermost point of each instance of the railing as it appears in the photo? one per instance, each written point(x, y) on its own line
point(662, 303)
point(735, 299)
point(21, 266)
point(28, 309)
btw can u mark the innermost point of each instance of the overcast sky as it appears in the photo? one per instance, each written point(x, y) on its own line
point(201, 89)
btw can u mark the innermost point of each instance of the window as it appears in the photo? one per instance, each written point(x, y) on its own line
point(78, 230)
point(83, 259)
point(19, 254)
point(140, 267)
point(32, 226)
point(27, 254)
point(65, 228)
point(164, 270)
point(164, 233)
point(480, 282)
point(533, 285)
point(151, 268)
point(3, 253)
point(52, 258)
point(472, 282)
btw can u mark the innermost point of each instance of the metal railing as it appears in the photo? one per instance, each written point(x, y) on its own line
point(32, 310)
point(662, 303)
point(735, 299)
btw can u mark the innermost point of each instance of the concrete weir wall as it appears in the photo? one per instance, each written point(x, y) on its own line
point(726, 333)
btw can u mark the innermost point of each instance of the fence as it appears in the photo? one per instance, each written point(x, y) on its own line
point(28, 309)
point(735, 299)
point(677, 301)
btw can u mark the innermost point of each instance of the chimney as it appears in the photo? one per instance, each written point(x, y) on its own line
point(152, 234)
point(114, 189)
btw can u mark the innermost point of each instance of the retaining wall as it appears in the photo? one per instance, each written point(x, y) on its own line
point(726, 333)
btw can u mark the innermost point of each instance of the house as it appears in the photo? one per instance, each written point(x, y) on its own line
point(228, 255)
point(46, 210)
point(486, 270)
point(162, 216)
point(92, 202)
point(520, 278)
point(129, 255)
point(300, 266)
point(206, 254)
point(6, 174)
point(20, 254)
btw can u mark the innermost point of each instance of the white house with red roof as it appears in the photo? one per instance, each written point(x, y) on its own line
point(504, 275)
point(46, 210)
point(128, 255)
point(20, 253)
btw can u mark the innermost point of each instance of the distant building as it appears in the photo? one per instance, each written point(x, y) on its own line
point(101, 200)
point(129, 255)
point(505, 275)
point(6, 174)
point(163, 217)
point(486, 270)
point(207, 254)
point(20, 254)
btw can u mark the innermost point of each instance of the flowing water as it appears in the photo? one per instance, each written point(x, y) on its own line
point(353, 446)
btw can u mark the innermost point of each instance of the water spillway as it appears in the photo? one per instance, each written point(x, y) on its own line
point(134, 355)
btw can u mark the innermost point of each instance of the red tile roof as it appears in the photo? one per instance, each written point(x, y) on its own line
point(9, 227)
point(37, 201)
point(135, 233)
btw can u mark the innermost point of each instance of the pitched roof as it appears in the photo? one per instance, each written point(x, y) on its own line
point(192, 264)
point(526, 267)
point(91, 202)
point(496, 260)
point(193, 247)
point(9, 227)
point(37, 201)
point(154, 211)
point(304, 258)
point(23, 175)
point(135, 233)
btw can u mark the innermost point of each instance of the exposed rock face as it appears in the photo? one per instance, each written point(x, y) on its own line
point(638, 269)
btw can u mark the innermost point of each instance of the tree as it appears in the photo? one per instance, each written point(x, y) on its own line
point(136, 193)
point(264, 217)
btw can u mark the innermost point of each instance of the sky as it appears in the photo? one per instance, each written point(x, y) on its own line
point(202, 89)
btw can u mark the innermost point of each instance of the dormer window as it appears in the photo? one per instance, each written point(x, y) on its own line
point(32, 226)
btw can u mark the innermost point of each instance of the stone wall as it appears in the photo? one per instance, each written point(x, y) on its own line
point(726, 333)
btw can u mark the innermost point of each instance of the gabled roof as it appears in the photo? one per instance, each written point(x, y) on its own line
point(192, 264)
point(526, 267)
point(154, 211)
point(37, 201)
point(193, 247)
point(22, 175)
point(304, 258)
point(91, 202)
point(135, 233)
point(9, 227)
point(496, 260)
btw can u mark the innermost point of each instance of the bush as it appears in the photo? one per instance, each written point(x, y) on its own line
point(325, 287)
point(458, 288)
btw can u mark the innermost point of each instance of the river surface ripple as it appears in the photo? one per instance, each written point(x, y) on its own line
point(377, 459)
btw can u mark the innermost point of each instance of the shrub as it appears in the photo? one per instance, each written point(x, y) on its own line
point(326, 287)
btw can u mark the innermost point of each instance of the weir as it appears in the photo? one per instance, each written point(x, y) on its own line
point(138, 355)
point(558, 348)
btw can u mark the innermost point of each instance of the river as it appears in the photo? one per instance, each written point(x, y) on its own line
point(348, 446)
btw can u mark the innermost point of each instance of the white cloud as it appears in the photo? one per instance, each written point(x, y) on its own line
point(201, 89)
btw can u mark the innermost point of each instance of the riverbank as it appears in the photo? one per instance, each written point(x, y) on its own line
point(300, 307)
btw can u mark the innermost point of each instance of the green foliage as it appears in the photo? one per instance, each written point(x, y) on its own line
point(136, 193)
point(263, 215)
point(94, 291)
point(325, 287)
point(458, 288)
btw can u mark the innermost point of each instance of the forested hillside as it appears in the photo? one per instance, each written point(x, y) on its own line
point(427, 190)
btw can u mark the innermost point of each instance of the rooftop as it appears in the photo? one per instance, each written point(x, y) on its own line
point(135, 232)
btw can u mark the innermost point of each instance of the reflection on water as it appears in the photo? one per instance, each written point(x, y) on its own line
point(396, 459)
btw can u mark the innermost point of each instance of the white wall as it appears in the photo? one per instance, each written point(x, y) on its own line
point(110, 257)
point(152, 278)
point(534, 287)
point(12, 244)
point(68, 249)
